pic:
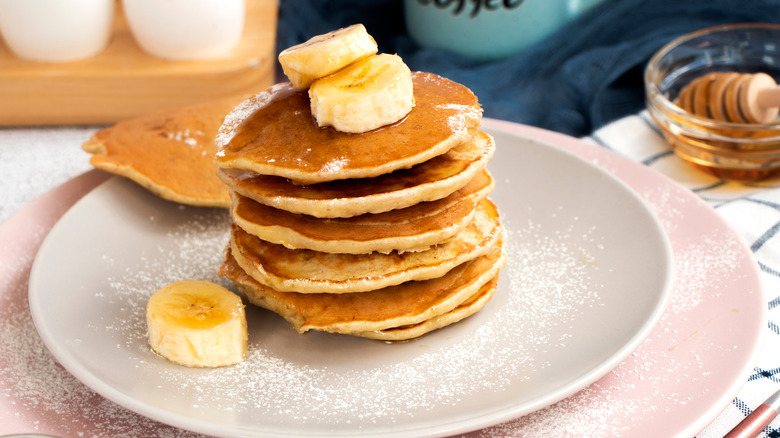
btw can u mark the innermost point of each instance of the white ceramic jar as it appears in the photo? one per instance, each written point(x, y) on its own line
point(186, 29)
point(56, 30)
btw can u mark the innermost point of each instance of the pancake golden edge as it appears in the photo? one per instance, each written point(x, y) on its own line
point(170, 153)
point(377, 195)
point(363, 314)
point(273, 133)
point(414, 228)
point(472, 305)
point(307, 271)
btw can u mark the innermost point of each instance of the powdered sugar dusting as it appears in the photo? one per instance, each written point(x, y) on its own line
point(552, 287)
point(347, 392)
point(43, 394)
point(646, 387)
point(712, 261)
point(25, 151)
point(670, 207)
point(244, 109)
point(334, 166)
point(187, 137)
point(485, 359)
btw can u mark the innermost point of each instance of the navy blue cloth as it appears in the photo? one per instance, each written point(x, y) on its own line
point(584, 76)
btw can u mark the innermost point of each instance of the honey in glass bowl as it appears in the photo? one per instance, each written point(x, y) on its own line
point(734, 151)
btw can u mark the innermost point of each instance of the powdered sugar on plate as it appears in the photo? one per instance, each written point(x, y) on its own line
point(44, 395)
point(648, 385)
point(488, 357)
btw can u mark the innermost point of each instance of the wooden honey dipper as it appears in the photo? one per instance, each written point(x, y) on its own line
point(732, 97)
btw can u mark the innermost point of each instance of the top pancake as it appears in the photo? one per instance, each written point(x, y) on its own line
point(171, 153)
point(274, 133)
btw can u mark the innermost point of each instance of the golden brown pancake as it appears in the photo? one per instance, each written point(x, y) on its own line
point(362, 314)
point(412, 228)
point(171, 153)
point(472, 305)
point(274, 133)
point(306, 271)
point(434, 179)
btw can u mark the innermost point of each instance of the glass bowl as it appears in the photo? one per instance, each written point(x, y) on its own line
point(734, 151)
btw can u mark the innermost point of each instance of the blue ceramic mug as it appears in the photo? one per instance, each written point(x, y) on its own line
point(488, 29)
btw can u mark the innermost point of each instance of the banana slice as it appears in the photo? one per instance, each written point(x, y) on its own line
point(363, 96)
point(325, 54)
point(197, 324)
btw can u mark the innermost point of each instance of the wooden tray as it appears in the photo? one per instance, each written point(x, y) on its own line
point(123, 81)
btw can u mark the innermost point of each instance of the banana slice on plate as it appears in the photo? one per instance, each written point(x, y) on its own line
point(325, 54)
point(363, 96)
point(197, 324)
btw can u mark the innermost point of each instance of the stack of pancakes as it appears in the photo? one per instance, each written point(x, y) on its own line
point(387, 234)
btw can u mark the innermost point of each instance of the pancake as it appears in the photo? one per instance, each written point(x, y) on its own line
point(306, 271)
point(360, 313)
point(274, 133)
point(429, 181)
point(413, 228)
point(171, 153)
point(474, 304)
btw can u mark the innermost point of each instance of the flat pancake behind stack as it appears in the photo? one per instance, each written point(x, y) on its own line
point(171, 153)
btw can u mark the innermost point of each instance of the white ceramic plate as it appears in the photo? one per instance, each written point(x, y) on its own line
point(588, 276)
